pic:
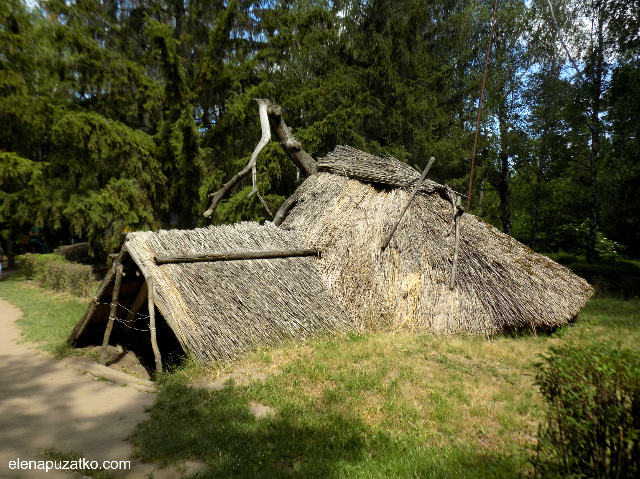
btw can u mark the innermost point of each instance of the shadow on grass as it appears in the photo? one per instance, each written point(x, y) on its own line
point(218, 428)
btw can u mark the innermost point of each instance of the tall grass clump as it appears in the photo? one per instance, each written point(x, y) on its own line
point(54, 272)
point(593, 420)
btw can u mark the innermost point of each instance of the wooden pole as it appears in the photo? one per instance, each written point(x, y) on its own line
point(484, 79)
point(152, 324)
point(199, 258)
point(75, 334)
point(112, 314)
point(454, 266)
point(386, 242)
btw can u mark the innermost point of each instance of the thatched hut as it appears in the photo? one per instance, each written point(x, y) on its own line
point(346, 210)
point(351, 204)
point(214, 309)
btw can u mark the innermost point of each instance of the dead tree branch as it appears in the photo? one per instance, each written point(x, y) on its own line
point(251, 166)
point(291, 146)
point(270, 119)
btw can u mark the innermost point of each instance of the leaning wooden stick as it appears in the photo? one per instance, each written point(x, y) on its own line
point(137, 304)
point(73, 338)
point(202, 258)
point(456, 248)
point(112, 315)
point(386, 242)
point(152, 324)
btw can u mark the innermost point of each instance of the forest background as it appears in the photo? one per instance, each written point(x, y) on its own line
point(122, 115)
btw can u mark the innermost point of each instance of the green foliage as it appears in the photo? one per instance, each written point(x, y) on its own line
point(611, 278)
point(126, 117)
point(72, 278)
point(54, 272)
point(593, 418)
point(34, 265)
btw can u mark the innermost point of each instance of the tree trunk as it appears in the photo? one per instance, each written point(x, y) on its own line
point(543, 162)
point(596, 93)
point(503, 180)
point(533, 241)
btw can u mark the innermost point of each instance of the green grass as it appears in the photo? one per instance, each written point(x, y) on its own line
point(375, 405)
point(364, 405)
point(47, 318)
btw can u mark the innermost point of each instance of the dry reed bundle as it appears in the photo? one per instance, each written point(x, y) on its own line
point(352, 163)
point(218, 310)
point(501, 284)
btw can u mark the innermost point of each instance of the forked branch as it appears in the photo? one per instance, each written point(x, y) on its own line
point(251, 166)
point(270, 118)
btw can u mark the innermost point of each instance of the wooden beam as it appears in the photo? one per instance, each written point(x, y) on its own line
point(152, 324)
point(112, 314)
point(86, 318)
point(456, 248)
point(201, 258)
point(387, 240)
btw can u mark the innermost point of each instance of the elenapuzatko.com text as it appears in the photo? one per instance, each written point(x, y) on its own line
point(75, 465)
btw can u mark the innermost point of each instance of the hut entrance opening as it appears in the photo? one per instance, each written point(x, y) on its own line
point(131, 329)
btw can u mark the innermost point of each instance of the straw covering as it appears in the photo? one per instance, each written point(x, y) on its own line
point(347, 209)
point(220, 309)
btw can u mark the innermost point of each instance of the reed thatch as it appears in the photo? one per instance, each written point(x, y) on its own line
point(352, 203)
point(219, 309)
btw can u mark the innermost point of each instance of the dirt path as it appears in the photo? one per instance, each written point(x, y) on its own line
point(48, 404)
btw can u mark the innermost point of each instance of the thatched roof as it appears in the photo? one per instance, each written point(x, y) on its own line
point(349, 206)
point(219, 309)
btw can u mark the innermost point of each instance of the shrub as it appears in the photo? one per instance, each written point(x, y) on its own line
point(593, 418)
point(606, 276)
point(54, 272)
point(71, 278)
point(33, 265)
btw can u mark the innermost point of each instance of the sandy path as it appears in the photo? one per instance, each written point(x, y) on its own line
point(51, 404)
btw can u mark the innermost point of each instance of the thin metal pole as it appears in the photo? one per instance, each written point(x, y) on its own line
point(484, 79)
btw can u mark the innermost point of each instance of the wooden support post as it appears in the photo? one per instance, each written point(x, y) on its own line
point(112, 314)
point(387, 240)
point(200, 258)
point(152, 324)
point(75, 334)
point(454, 266)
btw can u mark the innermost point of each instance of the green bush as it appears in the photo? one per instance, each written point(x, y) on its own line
point(71, 278)
point(54, 272)
point(566, 259)
point(593, 418)
point(33, 265)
